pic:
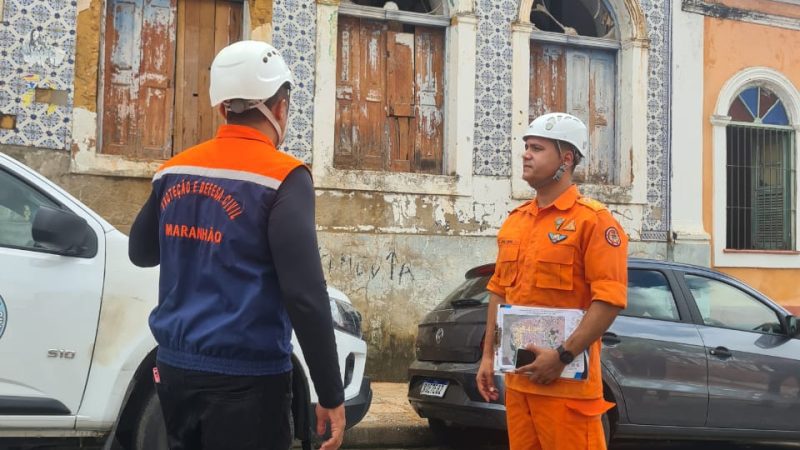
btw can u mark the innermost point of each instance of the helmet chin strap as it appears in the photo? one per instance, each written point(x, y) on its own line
point(272, 120)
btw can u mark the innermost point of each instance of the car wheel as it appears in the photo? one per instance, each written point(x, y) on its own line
point(150, 433)
point(606, 428)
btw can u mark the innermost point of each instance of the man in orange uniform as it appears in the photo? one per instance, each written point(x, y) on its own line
point(560, 250)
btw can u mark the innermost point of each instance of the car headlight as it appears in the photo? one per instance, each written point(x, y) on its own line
point(345, 317)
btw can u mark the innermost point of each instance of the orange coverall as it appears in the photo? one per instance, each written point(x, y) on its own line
point(566, 255)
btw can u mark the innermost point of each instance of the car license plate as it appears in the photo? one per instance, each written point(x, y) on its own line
point(433, 388)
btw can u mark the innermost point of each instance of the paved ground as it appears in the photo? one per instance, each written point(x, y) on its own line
point(392, 424)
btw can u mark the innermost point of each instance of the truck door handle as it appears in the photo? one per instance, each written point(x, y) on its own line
point(611, 339)
point(720, 352)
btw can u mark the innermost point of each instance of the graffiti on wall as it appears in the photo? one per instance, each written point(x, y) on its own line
point(388, 267)
point(38, 50)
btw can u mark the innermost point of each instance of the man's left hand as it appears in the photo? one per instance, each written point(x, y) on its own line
point(545, 369)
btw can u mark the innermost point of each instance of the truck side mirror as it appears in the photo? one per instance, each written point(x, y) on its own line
point(63, 232)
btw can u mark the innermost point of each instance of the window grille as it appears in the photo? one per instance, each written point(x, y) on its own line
point(760, 174)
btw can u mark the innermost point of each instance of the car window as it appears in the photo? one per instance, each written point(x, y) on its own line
point(18, 205)
point(723, 305)
point(471, 288)
point(649, 296)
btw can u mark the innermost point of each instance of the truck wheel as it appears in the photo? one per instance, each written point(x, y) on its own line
point(150, 433)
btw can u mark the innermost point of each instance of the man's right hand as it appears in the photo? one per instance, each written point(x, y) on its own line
point(485, 379)
point(336, 418)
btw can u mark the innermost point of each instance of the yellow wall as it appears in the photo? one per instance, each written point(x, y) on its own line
point(778, 284)
point(731, 46)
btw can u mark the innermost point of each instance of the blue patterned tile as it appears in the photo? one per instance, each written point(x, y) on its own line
point(492, 97)
point(657, 213)
point(37, 48)
point(294, 34)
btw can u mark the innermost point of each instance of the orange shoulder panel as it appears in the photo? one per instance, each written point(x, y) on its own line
point(244, 155)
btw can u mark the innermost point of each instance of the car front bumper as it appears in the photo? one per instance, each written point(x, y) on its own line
point(356, 408)
point(461, 403)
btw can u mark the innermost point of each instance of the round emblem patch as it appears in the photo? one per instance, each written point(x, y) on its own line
point(3, 316)
point(612, 237)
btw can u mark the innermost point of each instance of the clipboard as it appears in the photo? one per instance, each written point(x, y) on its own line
point(519, 326)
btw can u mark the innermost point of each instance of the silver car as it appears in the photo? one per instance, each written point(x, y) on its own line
point(697, 354)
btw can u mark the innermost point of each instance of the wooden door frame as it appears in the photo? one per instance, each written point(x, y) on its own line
point(101, 76)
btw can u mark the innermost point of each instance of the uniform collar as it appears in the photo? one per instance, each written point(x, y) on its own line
point(242, 132)
point(567, 198)
point(564, 201)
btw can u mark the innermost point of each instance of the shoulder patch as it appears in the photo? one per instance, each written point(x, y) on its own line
point(612, 237)
point(591, 203)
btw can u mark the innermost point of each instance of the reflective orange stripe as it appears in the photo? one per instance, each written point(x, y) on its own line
point(238, 148)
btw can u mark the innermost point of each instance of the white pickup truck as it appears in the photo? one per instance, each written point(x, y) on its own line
point(76, 352)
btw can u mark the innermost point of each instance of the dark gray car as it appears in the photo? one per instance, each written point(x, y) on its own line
point(697, 354)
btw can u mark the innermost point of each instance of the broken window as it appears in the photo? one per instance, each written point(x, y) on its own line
point(419, 6)
point(573, 17)
point(761, 173)
point(156, 66)
point(573, 69)
point(389, 96)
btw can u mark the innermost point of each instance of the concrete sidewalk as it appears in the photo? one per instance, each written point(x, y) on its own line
point(390, 421)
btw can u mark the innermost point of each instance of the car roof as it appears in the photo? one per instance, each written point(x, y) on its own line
point(648, 263)
point(636, 263)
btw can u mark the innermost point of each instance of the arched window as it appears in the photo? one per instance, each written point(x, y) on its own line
point(576, 18)
point(573, 69)
point(761, 173)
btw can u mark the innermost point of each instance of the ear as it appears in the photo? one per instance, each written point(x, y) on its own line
point(222, 111)
point(569, 158)
point(282, 110)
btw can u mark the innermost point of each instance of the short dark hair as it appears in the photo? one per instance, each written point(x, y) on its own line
point(253, 115)
point(566, 146)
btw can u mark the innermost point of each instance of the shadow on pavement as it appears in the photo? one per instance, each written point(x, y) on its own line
point(457, 438)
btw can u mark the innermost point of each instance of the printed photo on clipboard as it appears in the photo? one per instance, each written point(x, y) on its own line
point(520, 326)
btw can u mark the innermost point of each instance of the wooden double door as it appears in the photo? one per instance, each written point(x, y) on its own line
point(156, 64)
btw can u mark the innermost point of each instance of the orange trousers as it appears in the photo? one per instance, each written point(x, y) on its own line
point(537, 422)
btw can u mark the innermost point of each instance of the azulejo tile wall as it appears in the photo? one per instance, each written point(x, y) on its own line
point(294, 24)
point(37, 48)
point(492, 152)
point(659, 142)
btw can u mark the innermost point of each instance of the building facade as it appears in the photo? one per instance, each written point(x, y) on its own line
point(748, 105)
point(409, 114)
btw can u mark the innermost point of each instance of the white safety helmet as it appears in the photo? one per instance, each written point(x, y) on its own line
point(252, 71)
point(248, 70)
point(561, 127)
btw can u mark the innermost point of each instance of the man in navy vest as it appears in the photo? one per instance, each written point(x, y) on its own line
point(231, 221)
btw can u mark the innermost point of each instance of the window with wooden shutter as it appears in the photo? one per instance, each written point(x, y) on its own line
point(204, 28)
point(158, 56)
point(574, 70)
point(389, 96)
point(138, 79)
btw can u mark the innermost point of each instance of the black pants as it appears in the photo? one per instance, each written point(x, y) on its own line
point(208, 411)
